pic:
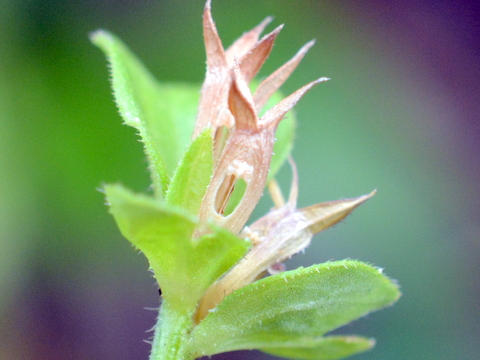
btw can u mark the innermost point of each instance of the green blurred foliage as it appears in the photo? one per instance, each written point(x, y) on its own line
point(378, 124)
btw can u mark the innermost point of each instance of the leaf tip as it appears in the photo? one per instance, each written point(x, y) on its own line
point(99, 36)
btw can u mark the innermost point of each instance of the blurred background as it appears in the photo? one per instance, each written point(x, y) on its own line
point(401, 114)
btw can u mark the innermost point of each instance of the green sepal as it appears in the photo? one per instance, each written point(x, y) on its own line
point(184, 267)
point(191, 179)
point(164, 114)
point(323, 348)
point(306, 302)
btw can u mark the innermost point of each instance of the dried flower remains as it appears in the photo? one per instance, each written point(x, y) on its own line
point(243, 148)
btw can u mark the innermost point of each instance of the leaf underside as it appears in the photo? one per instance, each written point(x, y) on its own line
point(324, 348)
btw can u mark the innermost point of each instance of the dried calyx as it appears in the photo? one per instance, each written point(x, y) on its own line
point(276, 237)
point(243, 147)
point(243, 142)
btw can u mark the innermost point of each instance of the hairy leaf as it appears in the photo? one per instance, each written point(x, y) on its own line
point(164, 114)
point(306, 302)
point(183, 267)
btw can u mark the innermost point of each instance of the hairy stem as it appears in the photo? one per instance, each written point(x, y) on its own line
point(171, 334)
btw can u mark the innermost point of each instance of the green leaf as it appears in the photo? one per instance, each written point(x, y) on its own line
point(307, 302)
point(164, 114)
point(184, 268)
point(324, 348)
point(193, 175)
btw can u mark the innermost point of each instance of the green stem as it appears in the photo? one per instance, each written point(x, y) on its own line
point(171, 334)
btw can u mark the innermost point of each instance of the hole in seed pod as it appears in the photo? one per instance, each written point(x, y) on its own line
point(230, 195)
point(236, 196)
